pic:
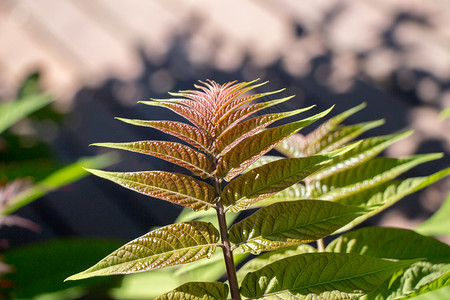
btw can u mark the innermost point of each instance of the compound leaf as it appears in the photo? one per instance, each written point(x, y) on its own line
point(180, 154)
point(327, 127)
point(371, 173)
point(197, 291)
point(340, 136)
point(367, 149)
point(186, 112)
point(164, 247)
point(237, 133)
point(185, 132)
point(272, 256)
point(268, 179)
point(384, 243)
point(236, 116)
point(320, 276)
point(249, 150)
point(176, 188)
point(382, 196)
point(286, 223)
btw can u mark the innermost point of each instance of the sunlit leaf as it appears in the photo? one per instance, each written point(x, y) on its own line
point(272, 256)
point(242, 113)
point(340, 136)
point(180, 154)
point(286, 223)
point(245, 129)
point(204, 110)
point(187, 133)
point(188, 113)
point(382, 196)
point(371, 173)
point(292, 193)
point(292, 146)
point(366, 150)
point(396, 243)
point(176, 188)
point(249, 150)
point(268, 179)
point(437, 224)
point(438, 289)
point(320, 276)
point(175, 244)
point(319, 134)
point(197, 291)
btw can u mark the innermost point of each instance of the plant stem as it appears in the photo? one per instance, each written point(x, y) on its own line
point(320, 245)
point(227, 253)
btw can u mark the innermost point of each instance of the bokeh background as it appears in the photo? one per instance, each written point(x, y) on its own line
point(99, 57)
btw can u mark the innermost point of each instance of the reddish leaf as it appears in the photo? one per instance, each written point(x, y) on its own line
point(235, 161)
point(177, 153)
point(269, 179)
point(187, 133)
point(243, 130)
point(240, 114)
point(188, 113)
point(176, 188)
point(198, 106)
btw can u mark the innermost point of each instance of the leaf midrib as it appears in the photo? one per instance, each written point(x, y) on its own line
point(304, 225)
point(159, 254)
point(172, 191)
point(330, 282)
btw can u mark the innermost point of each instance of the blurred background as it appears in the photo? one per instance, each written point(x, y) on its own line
point(94, 59)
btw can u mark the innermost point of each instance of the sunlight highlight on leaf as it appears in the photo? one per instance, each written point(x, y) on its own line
point(175, 244)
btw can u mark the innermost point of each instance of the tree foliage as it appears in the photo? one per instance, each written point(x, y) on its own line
point(324, 184)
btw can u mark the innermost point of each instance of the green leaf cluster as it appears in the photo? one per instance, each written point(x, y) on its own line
point(324, 184)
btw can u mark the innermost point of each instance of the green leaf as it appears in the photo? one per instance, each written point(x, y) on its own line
point(185, 132)
point(176, 188)
point(340, 136)
point(439, 223)
point(55, 260)
point(262, 161)
point(437, 290)
point(292, 193)
point(268, 179)
point(233, 135)
point(175, 244)
point(177, 153)
point(58, 179)
point(286, 223)
point(384, 243)
point(371, 173)
point(13, 111)
point(197, 291)
point(272, 256)
point(324, 130)
point(382, 196)
point(295, 145)
point(252, 148)
point(320, 276)
point(366, 150)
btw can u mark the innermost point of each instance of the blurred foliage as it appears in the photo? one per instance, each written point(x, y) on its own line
point(28, 171)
